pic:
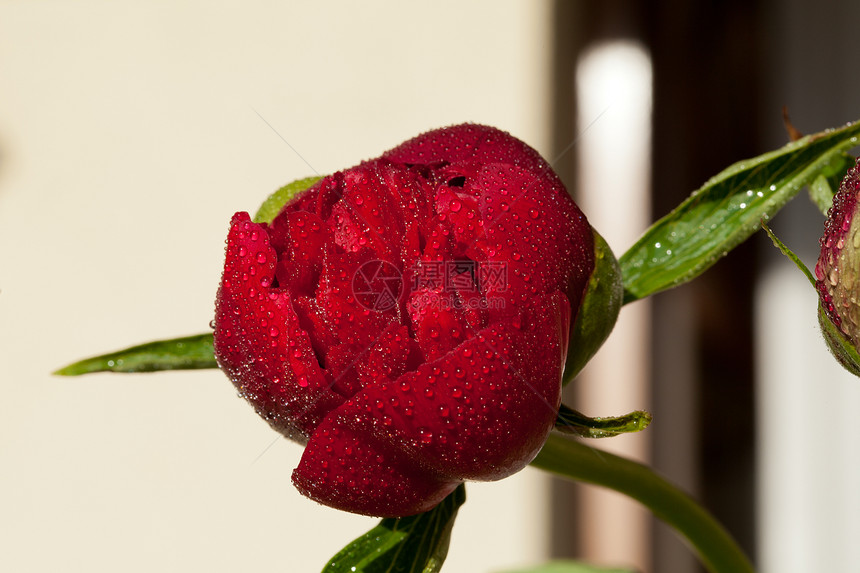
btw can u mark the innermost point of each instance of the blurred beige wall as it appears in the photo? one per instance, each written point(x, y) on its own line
point(129, 134)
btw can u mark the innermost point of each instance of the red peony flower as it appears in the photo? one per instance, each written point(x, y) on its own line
point(408, 319)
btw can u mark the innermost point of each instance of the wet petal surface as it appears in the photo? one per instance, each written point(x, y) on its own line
point(408, 318)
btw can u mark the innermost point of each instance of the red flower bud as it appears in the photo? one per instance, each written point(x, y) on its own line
point(837, 273)
point(408, 319)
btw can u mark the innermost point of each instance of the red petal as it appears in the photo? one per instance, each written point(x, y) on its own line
point(460, 210)
point(259, 342)
point(349, 472)
point(393, 354)
point(299, 238)
point(351, 367)
point(438, 323)
point(481, 412)
point(471, 142)
point(535, 234)
point(338, 311)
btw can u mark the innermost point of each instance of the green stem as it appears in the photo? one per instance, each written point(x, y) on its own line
point(571, 459)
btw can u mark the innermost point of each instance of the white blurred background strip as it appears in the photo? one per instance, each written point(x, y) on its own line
point(613, 88)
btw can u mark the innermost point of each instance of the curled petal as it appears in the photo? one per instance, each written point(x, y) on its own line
point(342, 469)
point(300, 239)
point(471, 143)
point(259, 342)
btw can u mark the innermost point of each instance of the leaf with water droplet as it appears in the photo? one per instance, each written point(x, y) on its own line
point(414, 544)
point(712, 221)
point(573, 422)
point(187, 353)
point(276, 201)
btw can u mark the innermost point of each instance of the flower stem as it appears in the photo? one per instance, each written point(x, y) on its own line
point(574, 460)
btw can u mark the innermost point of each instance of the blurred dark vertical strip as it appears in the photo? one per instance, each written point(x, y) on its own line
point(708, 63)
point(567, 35)
point(708, 60)
point(809, 50)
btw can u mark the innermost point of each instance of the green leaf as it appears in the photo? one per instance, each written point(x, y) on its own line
point(598, 312)
point(569, 567)
point(570, 421)
point(726, 210)
point(275, 202)
point(188, 353)
point(414, 544)
point(824, 187)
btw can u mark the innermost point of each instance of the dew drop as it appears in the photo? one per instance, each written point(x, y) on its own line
point(426, 435)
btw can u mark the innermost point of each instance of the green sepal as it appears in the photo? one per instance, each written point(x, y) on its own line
point(726, 210)
point(570, 421)
point(824, 187)
point(187, 353)
point(414, 544)
point(569, 567)
point(598, 311)
point(276, 201)
point(838, 343)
